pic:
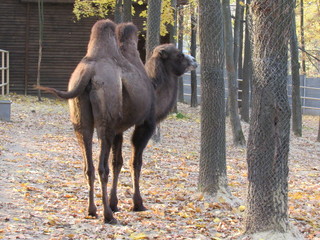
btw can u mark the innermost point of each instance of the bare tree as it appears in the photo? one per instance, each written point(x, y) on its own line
point(318, 138)
point(247, 71)
point(41, 24)
point(238, 137)
point(296, 99)
point(180, 46)
point(268, 144)
point(127, 11)
point(302, 38)
point(212, 173)
point(118, 11)
point(153, 26)
point(193, 48)
point(153, 40)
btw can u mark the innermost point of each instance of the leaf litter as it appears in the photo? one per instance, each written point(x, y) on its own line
point(44, 193)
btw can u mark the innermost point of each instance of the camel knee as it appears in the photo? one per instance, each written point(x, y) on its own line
point(104, 173)
point(117, 164)
point(136, 165)
point(90, 174)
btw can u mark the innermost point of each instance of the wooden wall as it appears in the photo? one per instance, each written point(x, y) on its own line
point(64, 44)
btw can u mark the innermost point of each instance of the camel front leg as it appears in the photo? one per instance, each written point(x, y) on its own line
point(117, 162)
point(140, 138)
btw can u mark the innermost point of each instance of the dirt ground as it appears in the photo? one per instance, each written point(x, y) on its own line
point(43, 194)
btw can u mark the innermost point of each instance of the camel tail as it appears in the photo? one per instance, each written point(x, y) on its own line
point(62, 94)
point(79, 80)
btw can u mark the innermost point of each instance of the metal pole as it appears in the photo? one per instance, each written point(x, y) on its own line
point(2, 72)
point(8, 73)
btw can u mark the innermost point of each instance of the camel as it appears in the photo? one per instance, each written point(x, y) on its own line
point(111, 91)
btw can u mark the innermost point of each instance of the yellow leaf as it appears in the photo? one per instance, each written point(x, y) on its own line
point(136, 236)
point(201, 225)
point(217, 220)
point(242, 208)
point(16, 219)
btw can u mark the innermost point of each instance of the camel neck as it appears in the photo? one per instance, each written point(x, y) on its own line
point(166, 95)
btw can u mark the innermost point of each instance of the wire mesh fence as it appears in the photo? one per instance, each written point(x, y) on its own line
point(268, 144)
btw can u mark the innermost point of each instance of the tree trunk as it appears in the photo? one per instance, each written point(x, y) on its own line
point(296, 99)
point(118, 12)
point(318, 139)
point(194, 94)
point(268, 144)
point(153, 26)
point(173, 28)
point(302, 38)
point(238, 46)
point(127, 11)
point(153, 40)
point(247, 71)
point(173, 34)
point(240, 58)
point(41, 23)
point(238, 137)
point(212, 173)
point(180, 47)
point(236, 39)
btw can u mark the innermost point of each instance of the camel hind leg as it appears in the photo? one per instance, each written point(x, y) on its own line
point(105, 119)
point(105, 136)
point(82, 118)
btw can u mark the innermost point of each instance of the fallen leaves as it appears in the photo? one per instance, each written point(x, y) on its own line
point(44, 192)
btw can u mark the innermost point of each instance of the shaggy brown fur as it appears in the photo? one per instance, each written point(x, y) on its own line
point(111, 91)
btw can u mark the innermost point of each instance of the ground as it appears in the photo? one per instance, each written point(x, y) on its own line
point(44, 194)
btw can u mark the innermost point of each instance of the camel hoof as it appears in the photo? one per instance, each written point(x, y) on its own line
point(113, 221)
point(115, 209)
point(139, 208)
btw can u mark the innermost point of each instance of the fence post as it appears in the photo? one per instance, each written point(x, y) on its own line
point(8, 71)
point(2, 72)
point(303, 93)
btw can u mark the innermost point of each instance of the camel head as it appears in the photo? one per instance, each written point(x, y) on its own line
point(172, 57)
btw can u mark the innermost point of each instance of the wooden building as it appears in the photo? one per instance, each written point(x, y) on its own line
point(64, 41)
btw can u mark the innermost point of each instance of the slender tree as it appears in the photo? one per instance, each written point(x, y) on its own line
point(193, 48)
point(238, 137)
point(268, 144)
point(247, 70)
point(180, 47)
point(127, 10)
point(153, 40)
point(302, 40)
point(240, 51)
point(212, 173)
point(173, 27)
point(318, 138)
point(41, 24)
point(118, 11)
point(296, 99)
point(153, 26)
point(236, 33)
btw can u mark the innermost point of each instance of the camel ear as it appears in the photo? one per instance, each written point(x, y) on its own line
point(163, 54)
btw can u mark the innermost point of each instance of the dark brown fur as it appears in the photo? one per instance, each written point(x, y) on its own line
point(111, 91)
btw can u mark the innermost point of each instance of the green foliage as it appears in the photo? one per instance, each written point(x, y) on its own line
point(167, 16)
point(90, 8)
point(311, 31)
point(180, 116)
